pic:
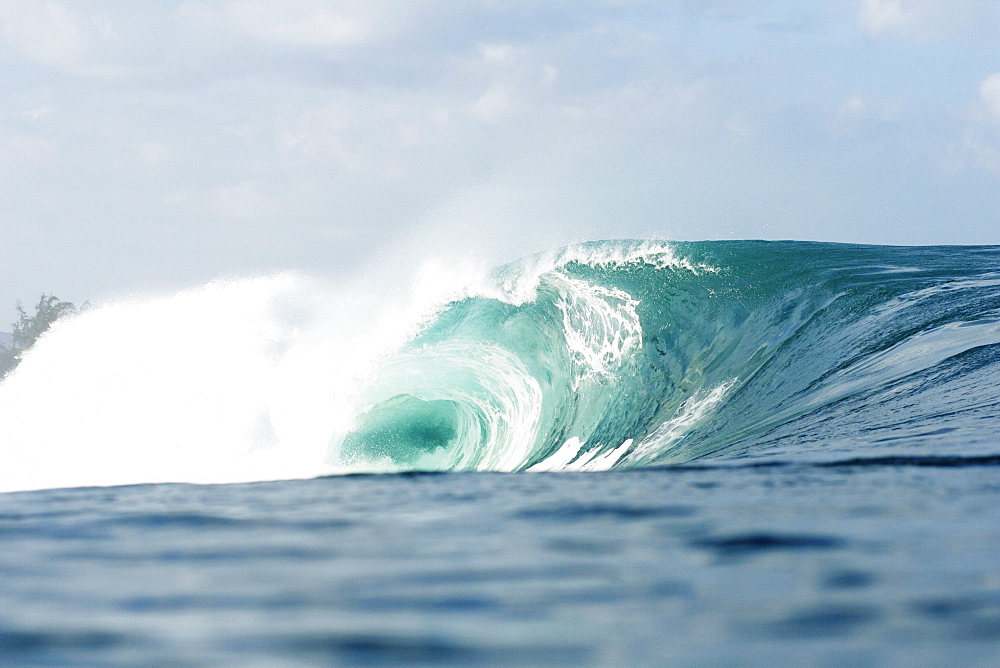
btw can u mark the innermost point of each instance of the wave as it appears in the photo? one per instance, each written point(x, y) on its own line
point(616, 354)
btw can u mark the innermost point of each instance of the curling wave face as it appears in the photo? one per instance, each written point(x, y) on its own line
point(634, 353)
point(599, 356)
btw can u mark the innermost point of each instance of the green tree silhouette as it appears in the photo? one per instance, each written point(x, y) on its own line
point(27, 329)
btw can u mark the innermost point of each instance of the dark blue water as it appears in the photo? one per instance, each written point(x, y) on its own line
point(715, 453)
point(864, 562)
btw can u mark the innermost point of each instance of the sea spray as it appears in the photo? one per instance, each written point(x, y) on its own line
point(242, 379)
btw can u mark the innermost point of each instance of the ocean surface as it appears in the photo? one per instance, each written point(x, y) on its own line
point(618, 453)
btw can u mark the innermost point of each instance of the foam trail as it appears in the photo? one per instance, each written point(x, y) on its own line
point(692, 410)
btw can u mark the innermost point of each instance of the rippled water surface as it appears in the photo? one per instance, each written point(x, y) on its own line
point(709, 453)
point(865, 562)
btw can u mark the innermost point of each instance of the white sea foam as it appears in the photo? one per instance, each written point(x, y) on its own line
point(601, 325)
point(238, 380)
point(517, 282)
point(688, 415)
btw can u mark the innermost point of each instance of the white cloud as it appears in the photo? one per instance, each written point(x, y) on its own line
point(303, 119)
point(302, 23)
point(498, 101)
point(878, 16)
point(37, 112)
point(930, 20)
point(860, 111)
point(989, 93)
point(549, 74)
point(853, 108)
point(979, 144)
point(23, 153)
point(498, 54)
point(73, 39)
point(242, 201)
point(383, 136)
point(309, 24)
point(156, 154)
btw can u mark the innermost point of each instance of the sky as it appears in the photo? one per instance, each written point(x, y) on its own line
point(158, 145)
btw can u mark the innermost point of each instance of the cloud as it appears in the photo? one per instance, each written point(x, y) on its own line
point(878, 16)
point(989, 93)
point(303, 23)
point(73, 39)
point(498, 101)
point(860, 112)
point(930, 20)
point(978, 143)
point(246, 135)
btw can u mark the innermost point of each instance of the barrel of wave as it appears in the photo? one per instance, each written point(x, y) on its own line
point(496, 385)
point(447, 406)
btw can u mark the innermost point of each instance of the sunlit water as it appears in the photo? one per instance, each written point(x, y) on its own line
point(705, 453)
point(863, 564)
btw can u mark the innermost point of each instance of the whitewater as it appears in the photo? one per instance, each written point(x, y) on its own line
point(599, 356)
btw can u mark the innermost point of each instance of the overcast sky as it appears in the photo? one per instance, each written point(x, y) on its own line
point(153, 145)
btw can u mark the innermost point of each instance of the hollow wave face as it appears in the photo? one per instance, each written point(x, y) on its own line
point(605, 355)
point(631, 354)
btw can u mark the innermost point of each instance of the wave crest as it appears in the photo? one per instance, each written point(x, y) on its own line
point(598, 356)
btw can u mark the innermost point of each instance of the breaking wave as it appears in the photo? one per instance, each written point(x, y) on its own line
point(605, 355)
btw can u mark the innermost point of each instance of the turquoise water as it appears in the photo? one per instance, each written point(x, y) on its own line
point(604, 356)
point(628, 354)
point(621, 453)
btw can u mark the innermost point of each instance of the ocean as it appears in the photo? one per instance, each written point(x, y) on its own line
point(617, 453)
